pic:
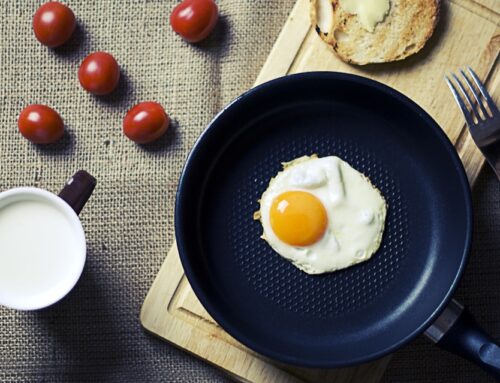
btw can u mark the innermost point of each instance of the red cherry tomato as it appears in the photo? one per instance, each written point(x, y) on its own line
point(40, 124)
point(53, 24)
point(145, 122)
point(194, 19)
point(99, 73)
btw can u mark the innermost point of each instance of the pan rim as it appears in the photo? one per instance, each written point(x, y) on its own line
point(181, 207)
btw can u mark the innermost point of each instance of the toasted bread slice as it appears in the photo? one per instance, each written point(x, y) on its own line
point(403, 32)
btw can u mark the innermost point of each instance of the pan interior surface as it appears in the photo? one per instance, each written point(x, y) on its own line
point(348, 316)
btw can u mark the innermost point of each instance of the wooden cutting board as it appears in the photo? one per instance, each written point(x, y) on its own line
point(468, 34)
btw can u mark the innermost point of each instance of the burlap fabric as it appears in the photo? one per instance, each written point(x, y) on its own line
point(94, 334)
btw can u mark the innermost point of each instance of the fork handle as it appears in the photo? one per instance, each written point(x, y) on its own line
point(467, 339)
point(490, 152)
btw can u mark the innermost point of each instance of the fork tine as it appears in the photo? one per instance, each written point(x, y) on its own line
point(483, 91)
point(460, 102)
point(476, 95)
point(466, 95)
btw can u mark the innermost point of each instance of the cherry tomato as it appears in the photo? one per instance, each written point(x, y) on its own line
point(99, 73)
point(194, 19)
point(145, 122)
point(40, 124)
point(53, 24)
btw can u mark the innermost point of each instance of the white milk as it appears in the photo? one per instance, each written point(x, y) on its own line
point(38, 249)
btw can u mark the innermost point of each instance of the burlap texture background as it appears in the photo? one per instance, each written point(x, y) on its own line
point(94, 334)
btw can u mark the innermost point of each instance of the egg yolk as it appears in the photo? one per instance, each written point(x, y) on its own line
point(298, 218)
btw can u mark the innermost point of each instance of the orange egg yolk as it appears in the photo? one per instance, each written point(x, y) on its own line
point(298, 218)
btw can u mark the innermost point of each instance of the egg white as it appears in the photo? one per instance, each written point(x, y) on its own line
point(356, 213)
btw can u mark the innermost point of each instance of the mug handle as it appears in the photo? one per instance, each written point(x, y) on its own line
point(78, 190)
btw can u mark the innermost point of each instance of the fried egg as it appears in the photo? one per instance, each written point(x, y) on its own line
point(322, 215)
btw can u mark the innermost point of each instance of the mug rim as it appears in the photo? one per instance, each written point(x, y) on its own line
point(66, 284)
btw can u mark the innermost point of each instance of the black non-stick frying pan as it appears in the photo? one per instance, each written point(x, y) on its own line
point(353, 315)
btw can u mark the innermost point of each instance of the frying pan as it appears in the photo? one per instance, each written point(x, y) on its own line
point(365, 311)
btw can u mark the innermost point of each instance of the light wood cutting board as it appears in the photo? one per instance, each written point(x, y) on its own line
point(468, 34)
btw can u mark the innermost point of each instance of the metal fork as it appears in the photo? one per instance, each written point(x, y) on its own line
point(484, 124)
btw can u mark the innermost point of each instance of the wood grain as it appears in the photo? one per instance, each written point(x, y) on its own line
point(468, 34)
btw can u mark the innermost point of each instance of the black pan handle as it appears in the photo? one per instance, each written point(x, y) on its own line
point(78, 190)
point(457, 331)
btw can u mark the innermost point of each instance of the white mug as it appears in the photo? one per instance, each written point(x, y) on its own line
point(42, 243)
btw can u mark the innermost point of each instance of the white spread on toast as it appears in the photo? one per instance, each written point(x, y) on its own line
point(325, 15)
point(369, 12)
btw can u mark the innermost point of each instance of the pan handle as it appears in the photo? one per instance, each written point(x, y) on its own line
point(457, 331)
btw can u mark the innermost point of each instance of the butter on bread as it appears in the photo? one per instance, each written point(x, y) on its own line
point(403, 31)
